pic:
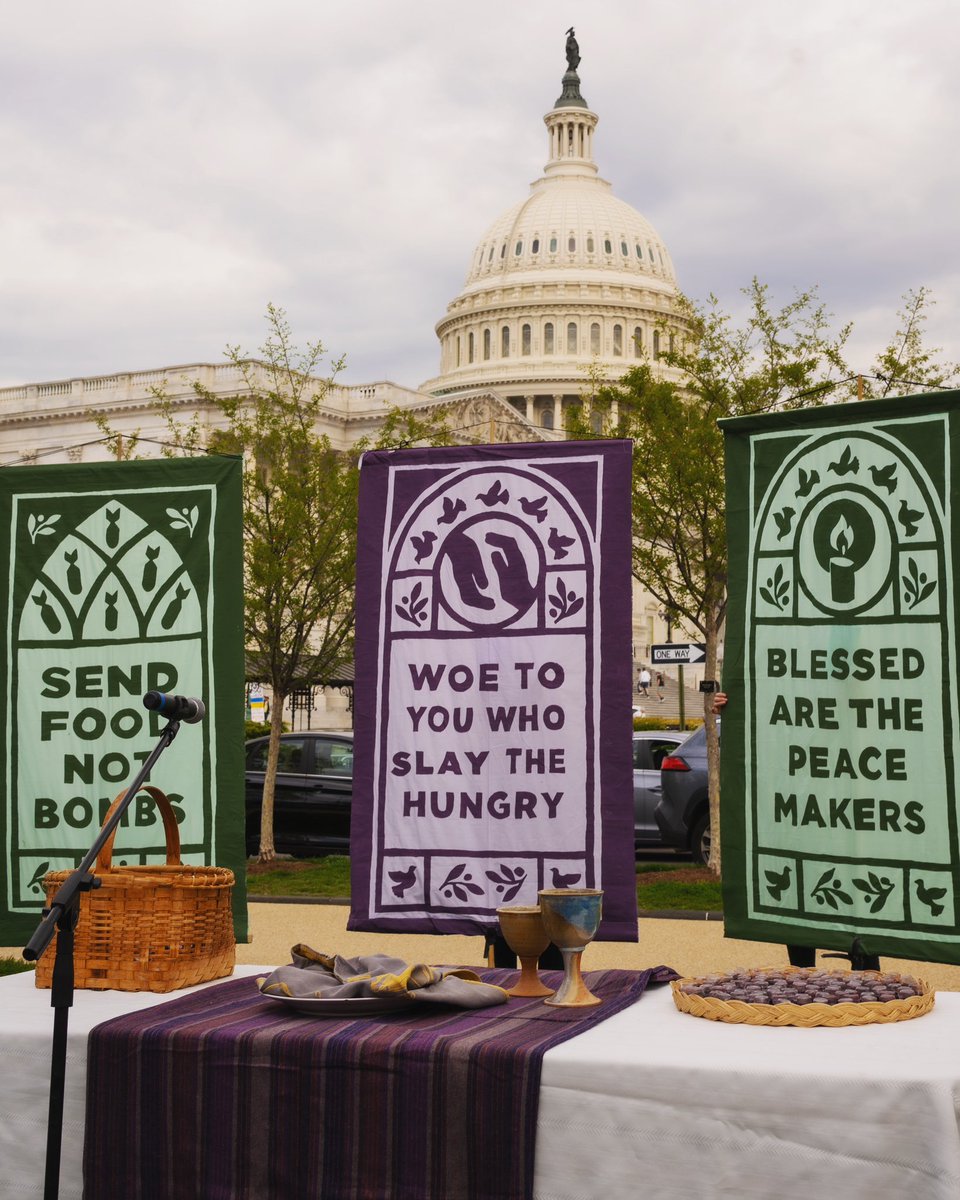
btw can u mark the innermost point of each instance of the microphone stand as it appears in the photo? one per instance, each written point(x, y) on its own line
point(61, 916)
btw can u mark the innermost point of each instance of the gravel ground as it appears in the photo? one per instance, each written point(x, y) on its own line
point(690, 947)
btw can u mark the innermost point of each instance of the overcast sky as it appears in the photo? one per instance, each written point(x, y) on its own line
point(169, 169)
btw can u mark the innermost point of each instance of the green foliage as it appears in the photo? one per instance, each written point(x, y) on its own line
point(661, 723)
point(774, 359)
point(300, 512)
point(255, 729)
point(907, 365)
point(14, 966)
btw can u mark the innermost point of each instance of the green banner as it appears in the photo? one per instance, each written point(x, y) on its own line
point(120, 578)
point(839, 797)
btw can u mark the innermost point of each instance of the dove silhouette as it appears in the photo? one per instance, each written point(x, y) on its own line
point(909, 518)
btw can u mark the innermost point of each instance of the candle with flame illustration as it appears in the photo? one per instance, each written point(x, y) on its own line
point(841, 567)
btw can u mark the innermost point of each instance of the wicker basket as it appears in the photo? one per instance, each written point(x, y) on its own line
point(803, 1016)
point(151, 928)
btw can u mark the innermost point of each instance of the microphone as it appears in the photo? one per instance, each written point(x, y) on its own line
point(175, 708)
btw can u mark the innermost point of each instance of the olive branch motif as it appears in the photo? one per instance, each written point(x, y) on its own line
point(416, 605)
point(39, 526)
point(828, 890)
point(508, 881)
point(460, 885)
point(184, 518)
point(879, 887)
point(35, 883)
point(564, 603)
point(916, 587)
point(777, 591)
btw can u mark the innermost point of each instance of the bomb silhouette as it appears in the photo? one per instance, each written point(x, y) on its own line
point(74, 581)
point(113, 528)
point(110, 616)
point(149, 579)
point(172, 611)
point(47, 614)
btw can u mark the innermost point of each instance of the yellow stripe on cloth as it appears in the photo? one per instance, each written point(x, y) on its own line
point(417, 976)
point(279, 989)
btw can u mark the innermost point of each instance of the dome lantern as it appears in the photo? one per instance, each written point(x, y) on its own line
point(570, 123)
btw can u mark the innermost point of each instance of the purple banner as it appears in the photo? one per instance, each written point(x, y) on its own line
point(493, 685)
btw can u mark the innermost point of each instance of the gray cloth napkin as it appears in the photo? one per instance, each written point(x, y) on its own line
point(317, 976)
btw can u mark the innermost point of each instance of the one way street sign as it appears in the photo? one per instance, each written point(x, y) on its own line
point(678, 652)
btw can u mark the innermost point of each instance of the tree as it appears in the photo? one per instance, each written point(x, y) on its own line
point(907, 365)
point(299, 513)
point(775, 359)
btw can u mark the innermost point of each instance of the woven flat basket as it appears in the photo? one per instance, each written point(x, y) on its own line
point(803, 1016)
point(151, 928)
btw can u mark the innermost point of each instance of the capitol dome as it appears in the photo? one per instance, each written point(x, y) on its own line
point(568, 282)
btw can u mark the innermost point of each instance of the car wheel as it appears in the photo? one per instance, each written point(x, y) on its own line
point(700, 839)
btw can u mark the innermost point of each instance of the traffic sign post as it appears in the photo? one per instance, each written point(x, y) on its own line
point(678, 653)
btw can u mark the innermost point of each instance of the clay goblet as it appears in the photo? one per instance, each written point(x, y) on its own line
point(571, 917)
point(523, 931)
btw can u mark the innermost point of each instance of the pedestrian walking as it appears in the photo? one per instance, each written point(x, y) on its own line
point(643, 684)
point(660, 686)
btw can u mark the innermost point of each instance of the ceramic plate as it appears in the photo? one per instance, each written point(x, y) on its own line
point(349, 1006)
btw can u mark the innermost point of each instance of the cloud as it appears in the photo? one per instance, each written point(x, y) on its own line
point(170, 170)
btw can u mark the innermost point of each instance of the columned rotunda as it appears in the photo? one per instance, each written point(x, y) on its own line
point(569, 281)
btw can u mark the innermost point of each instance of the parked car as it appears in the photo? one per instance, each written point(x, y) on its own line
point(650, 747)
point(683, 814)
point(314, 790)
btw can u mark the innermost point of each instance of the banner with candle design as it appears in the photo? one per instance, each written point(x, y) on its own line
point(839, 792)
point(493, 685)
point(120, 578)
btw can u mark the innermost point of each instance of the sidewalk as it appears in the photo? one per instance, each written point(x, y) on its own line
point(690, 947)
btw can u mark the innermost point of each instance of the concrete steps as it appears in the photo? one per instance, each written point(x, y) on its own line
point(669, 709)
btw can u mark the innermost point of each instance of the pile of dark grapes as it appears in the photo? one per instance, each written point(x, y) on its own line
point(804, 986)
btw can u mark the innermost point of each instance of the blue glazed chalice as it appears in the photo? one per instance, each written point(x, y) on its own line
point(571, 917)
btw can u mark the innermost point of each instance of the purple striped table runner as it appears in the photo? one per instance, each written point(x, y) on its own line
point(224, 1095)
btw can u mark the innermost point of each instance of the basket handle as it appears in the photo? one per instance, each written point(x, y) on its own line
point(171, 832)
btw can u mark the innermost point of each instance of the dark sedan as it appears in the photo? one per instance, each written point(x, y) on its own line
point(314, 789)
point(650, 748)
point(683, 814)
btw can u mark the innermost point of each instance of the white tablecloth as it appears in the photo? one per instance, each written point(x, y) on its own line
point(649, 1098)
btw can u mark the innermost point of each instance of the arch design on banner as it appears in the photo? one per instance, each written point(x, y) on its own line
point(511, 551)
point(113, 574)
